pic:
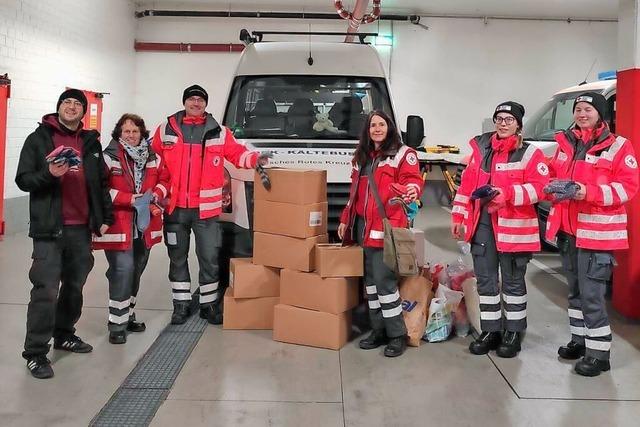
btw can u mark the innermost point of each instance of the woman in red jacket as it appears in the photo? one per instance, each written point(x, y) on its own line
point(495, 207)
point(394, 167)
point(137, 179)
point(595, 173)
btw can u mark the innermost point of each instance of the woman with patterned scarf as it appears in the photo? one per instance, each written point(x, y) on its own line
point(138, 182)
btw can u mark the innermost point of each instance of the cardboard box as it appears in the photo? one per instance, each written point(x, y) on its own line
point(297, 186)
point(274, 250)
point(252, 281)
point(335, 260)
point(248, 313)
point(308, 290)
point(308, 327)
point(290, 220)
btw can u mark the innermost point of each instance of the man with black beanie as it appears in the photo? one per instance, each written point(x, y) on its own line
point(195, 147)
point(66, 204)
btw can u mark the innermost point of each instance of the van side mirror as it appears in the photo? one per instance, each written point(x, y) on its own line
point(415, 131)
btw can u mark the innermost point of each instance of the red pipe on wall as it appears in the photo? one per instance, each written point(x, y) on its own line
point(5, 93)
point(187, 47)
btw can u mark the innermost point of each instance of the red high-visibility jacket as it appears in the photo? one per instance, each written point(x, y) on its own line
point(403, 169)
point(521, 174)
point(218, 144)
point(121, 189)
point(610, 174)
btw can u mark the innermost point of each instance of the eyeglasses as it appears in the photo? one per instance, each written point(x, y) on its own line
point(506, 120)
point(69, 102)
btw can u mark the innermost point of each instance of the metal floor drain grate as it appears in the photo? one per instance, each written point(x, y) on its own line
point(147, 386)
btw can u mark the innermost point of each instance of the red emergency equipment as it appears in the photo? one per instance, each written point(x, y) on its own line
point(5, 92)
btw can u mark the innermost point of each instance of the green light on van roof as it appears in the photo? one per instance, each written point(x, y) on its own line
point(383, 41)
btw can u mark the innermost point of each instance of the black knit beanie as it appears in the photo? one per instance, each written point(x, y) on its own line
point(510, 107)
point(195, 90)
point(74, 94)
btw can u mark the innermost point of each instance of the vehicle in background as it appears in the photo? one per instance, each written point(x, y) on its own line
point(306, 102)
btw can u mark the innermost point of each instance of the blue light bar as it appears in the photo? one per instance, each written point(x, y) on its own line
point(607, 75)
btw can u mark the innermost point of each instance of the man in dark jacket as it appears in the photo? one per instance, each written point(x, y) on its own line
point(66, 204)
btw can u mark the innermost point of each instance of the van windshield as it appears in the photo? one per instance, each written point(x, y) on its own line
point(304, 107)
point(554, 116)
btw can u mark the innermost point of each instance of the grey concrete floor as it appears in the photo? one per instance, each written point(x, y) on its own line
point(243, 378)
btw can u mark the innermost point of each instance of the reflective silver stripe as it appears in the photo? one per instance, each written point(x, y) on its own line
point(485, 299)
point(113, 193)
point(416, 186)
point(590, 158)
point(155, 234)
point(205, 299)
point(163, 189)
point(388, 299)
point(182, 296)
point(151, 164)
point(515, 315)
point(512, 299)
point(184, 286)
point(372, 290)
point(577, 330)
point(460, 210)
point(210, 206)
point(110, 238)
point(607, 195)
point(518, 196)
point(597, 345)
point(133, 300)
point(374, 304)
point(528, 155)
point(613, 150)
point(170, 138)
point(211, 193)
point(111, 163)
point(460, 198)
point(508, 222)
point(599, 332)
point(244, 159)
point(214, 141)
point(603, 219)
point(119, 305)
point(392, 312)
point(395, 160)
point(119, 320)
point(531, 191)
point(575, 314)
point(377, 235)
point(601, 235)
point(490, 315)
point(509, 166)
point(208, 287)
point(622, 194)
point(516, 238)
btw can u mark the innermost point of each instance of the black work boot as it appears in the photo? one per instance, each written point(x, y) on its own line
point(180, 313)
point(376, 338)
point(40, 367)
point(571, 351)
point(591, 367)
point(396, 346)
point(117, 337)
point(485, 342)
point(510, 345)
point(133, 326)
point(211, 314)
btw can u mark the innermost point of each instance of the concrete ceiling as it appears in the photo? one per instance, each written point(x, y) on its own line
point(597, 9)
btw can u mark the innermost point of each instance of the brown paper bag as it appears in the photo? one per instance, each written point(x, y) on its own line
point(416, 294)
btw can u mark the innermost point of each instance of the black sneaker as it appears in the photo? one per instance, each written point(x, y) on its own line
point(571, 351)
point(73, 344)
point(40, 367)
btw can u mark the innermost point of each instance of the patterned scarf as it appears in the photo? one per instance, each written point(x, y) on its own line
point(139, 154)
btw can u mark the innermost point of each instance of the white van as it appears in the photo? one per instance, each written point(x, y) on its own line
point(281, 99)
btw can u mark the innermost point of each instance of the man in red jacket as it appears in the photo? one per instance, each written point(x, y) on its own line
point(194, 147)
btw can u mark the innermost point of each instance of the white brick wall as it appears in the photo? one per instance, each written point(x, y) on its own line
point(46, 45)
